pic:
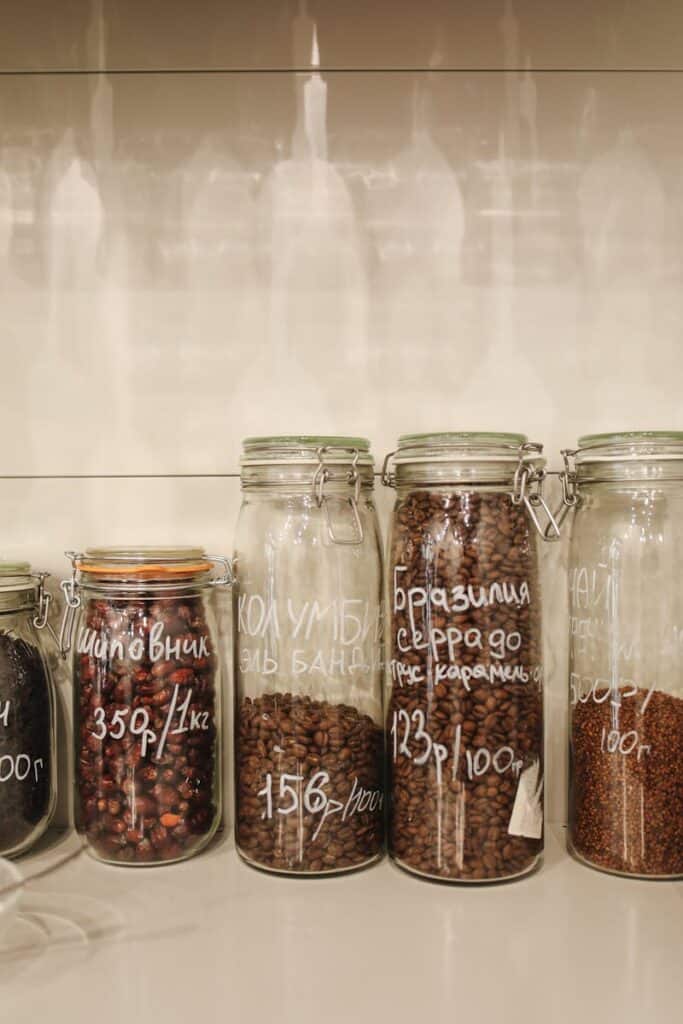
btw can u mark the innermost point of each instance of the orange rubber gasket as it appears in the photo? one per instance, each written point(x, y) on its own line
point(145, 570)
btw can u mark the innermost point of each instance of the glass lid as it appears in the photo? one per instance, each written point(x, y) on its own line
point(16, 576)
point(458, 457)
point(304, 448)
point(464, 437)
point(143, 562)
point(630, 446)
point(464, 443)
point(629, 456)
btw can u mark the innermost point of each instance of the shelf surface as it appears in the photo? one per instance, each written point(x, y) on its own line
point(213, 940)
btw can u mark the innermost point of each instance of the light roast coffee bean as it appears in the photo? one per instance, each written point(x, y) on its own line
point(309, 793)
point(465, 717)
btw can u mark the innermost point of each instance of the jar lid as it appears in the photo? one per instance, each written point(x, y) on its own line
point(16, 576)
point(629, 455)
point(143, 562)
point(461, 457)
point(306, 448)
point(462, 444)
point(635, 442)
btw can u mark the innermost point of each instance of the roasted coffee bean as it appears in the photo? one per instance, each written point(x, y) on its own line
point(465, 716)
point(626, 792)
point(309, 785)
point(26, 755)
point(132, 802)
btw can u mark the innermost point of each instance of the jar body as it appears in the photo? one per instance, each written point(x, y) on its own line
point(465, 712)
point(626, 679)
point(27, 735)
point(308, 722)
point(147, 713)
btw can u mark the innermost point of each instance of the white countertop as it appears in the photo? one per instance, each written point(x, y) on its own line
point(212, 940)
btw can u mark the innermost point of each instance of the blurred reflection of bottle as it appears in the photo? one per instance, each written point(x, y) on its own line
point(509, 29)
point(416, 221)
point(72, 225)
point(632, 298)
point(221, 311)
point(8, 279)
point(623, 214)
point(588, 125)
point(528, 110)
point(317, 302)
point(506, 367)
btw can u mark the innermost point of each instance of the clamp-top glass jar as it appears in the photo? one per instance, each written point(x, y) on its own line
point(27, 711)
point(626, 653)
point(308, 724)
point(147, 700)
point(465, 713)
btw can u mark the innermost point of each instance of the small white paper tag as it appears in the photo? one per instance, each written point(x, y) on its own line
point(527, 814)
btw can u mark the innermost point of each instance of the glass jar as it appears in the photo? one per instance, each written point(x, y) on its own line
point(626, 653)
point(27, 711)
point(308, 723)
point(465, 707)
point(147, 701)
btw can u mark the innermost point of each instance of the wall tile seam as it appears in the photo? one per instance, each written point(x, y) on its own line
point(307, 69)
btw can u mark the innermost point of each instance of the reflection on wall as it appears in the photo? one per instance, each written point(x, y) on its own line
point(185, 259)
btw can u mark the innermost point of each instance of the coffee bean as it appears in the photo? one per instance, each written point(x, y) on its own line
point(138, 794)
point(315, 804)
point(465, 714)
point(626, 782)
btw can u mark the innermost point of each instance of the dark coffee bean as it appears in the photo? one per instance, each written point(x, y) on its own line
point(626, 805)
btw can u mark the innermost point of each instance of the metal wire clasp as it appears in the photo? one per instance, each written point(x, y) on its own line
point(570, 488)
point(527, 490)
point(72, 602)
point(227, 577)
point(41, 618)
point(320, 478)
point(388, 474)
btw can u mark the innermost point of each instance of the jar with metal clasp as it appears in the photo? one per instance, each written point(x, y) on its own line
point(465, 687)
point(308, 718)
point(27, 710)
point(626, 652)
point(147, 700)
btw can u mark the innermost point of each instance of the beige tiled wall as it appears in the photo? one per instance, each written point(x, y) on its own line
point(454, 216)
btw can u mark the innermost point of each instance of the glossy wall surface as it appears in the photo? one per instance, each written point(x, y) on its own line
point(222, 219)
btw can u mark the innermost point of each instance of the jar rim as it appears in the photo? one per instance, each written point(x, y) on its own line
point(632, 439)
point(15, 569)
point(633, 455)
point(306, 449)
point(142, 562)
point(466, 439)
point(298, 441)
point(17, 577)
point(462, 457)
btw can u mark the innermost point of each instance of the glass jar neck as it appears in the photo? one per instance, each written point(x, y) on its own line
point(18, 602)
point(301, 478)
point(482, 475)
point(131, 590)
